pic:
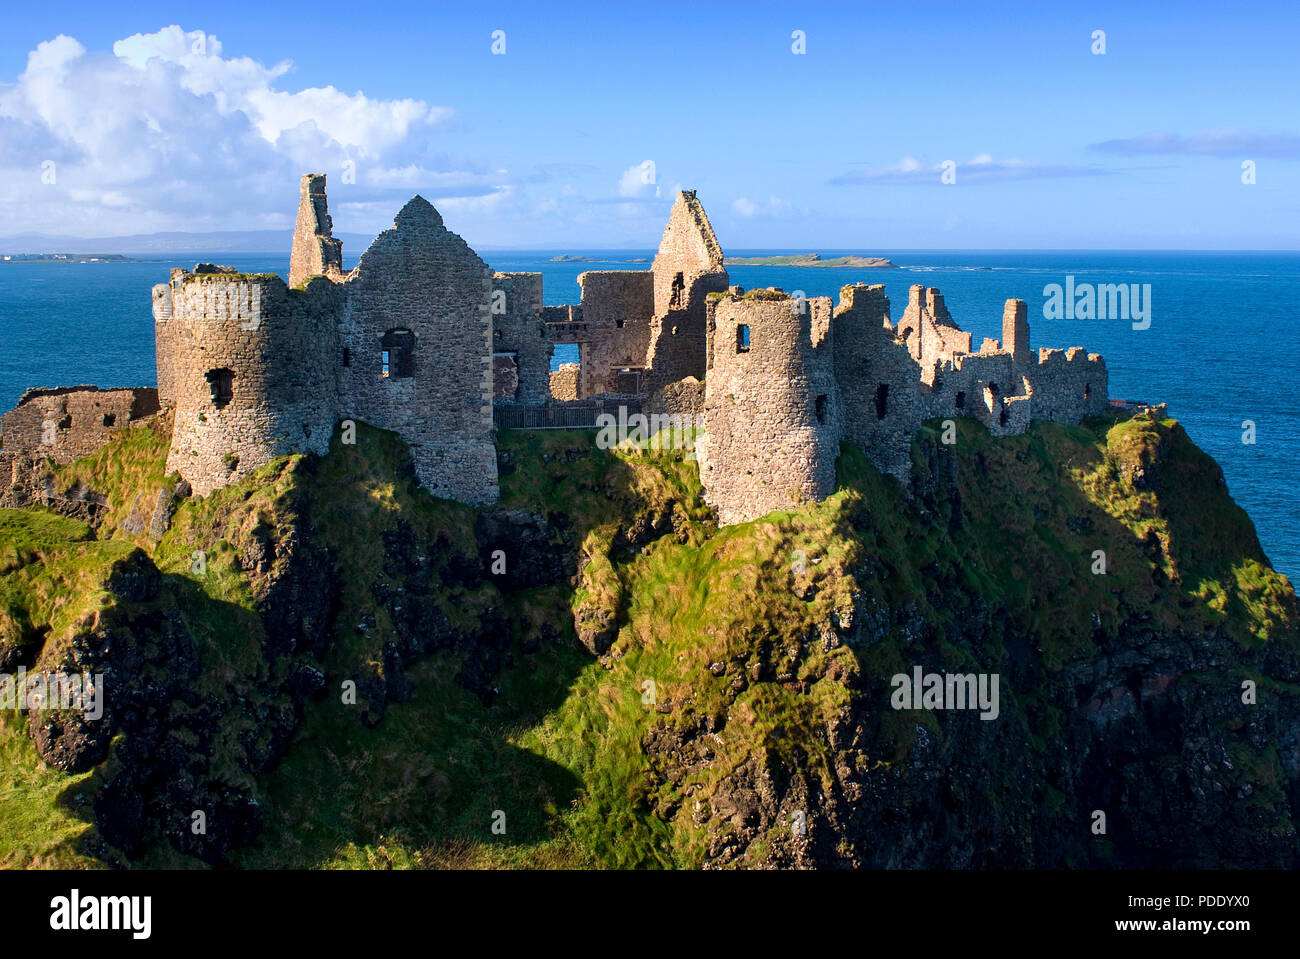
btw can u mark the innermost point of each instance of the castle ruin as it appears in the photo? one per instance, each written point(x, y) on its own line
point(422, 338)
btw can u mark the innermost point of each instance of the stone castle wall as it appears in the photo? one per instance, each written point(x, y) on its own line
point(762, 405)
point(564, 382)
point(251, 372)
point(877, 380)
point(617, 307)
point(67, 423)
point(520, 343)
point(423, 296)
point(771, 409)
point(1068, 385)
point(687, 268)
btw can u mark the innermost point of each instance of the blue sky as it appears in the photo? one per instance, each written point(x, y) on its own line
point(551, 144)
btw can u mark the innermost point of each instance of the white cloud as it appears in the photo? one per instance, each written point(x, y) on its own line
point(639, 181)
point(166, 132)
point(980, 168)
point(744, 206)
point(1210, 143)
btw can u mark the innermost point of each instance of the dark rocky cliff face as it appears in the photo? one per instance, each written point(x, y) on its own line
point(630, 685)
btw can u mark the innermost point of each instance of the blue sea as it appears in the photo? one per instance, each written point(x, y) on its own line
point(1222, 347)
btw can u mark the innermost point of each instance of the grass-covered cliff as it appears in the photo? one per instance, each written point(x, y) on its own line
point(593, 674)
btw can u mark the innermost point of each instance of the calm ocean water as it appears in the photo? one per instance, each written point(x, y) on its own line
point(1222, 346)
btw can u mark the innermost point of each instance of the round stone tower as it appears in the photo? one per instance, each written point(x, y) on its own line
point(249, 367)
point(770, 403)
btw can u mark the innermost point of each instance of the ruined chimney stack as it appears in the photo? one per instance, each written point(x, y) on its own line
point(315, 251)
point(1015, 331)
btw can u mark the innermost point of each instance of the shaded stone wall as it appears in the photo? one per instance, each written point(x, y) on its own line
point(877, 380)
point(771, 410)
point(67, 423)
point(518, 329)
point(1068, 385)
point(424, 291)
point(253, 372)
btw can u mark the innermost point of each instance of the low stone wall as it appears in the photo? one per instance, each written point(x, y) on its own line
point(564, 382)
point(68, 423)
point(683, 397)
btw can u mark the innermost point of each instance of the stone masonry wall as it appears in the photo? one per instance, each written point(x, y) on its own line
point(1068, 385)
point(928, 329)
point(687, 267)
point(315, 251)
point(772, 412)
point(618, 307)
point(253, 370)
point(67, 423)
point(517, 328)
point(564, 382)
point(878, 380)
point(420, 284)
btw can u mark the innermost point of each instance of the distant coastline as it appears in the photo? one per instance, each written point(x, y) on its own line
point(811, 259)
point(566, 258)
point(67, 258)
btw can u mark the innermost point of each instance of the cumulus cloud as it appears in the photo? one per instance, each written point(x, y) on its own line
point(638, 182)
point(980, 168)
point(167, 132)
point(1234, 143)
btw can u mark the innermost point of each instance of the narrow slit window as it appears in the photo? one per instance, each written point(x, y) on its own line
point(742, 338)
point(383, 362)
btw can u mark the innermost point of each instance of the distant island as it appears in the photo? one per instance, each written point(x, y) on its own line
point(566, 258)
point(67, 258)
point(809, 259)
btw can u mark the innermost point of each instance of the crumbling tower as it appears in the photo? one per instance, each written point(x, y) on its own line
point(771, 405)
point(315, 251)
point(687, 267)
point(249, 369)
point(929, 331)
